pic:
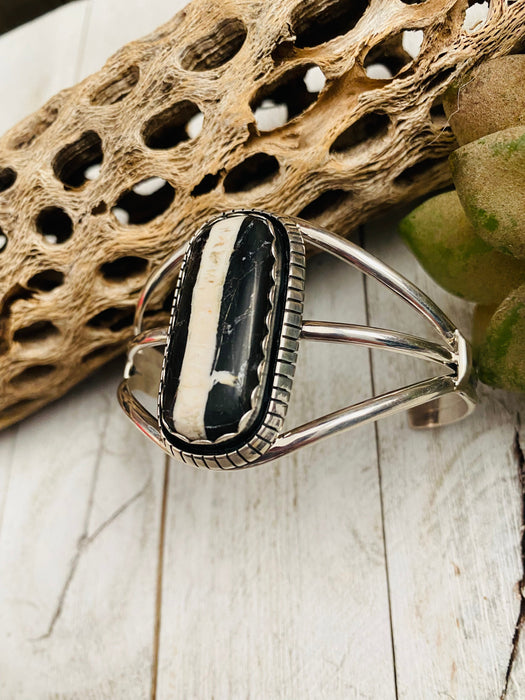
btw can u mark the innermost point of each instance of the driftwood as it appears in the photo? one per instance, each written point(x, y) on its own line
point(78, 237)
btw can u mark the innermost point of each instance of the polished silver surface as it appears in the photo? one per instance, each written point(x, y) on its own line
point(374, 268)
point(159, 281)
point(432, 402)
point(405, 343)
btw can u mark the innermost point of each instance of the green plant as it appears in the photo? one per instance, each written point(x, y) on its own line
point(472, 240)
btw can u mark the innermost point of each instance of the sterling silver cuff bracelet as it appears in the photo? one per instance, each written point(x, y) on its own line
point(222, 371)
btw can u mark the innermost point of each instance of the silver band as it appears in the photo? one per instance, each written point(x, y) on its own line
point(432, 402)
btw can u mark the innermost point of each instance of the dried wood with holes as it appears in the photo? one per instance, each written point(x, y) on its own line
point(82, 224)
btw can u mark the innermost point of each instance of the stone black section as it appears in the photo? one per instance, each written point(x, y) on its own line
point(242, 327)
point(179, 329)
point(242, 290)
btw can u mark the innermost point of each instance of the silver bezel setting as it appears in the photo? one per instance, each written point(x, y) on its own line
point(441, 399)
point(283, 374)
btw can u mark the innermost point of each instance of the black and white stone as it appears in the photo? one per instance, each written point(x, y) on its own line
point(217, 363)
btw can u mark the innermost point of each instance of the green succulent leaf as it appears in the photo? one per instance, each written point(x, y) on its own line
point(501, 356)
point(489, 175)
point(445, 243)
point(487, 99)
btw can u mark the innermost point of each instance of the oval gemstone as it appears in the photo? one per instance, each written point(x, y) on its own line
point(225, 325)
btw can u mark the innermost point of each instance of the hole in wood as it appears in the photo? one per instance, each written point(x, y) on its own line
point(123, 268)
point(3, 241)
point(37, 332)
point(105, 351)
point(32, 375)
point(16, 410)
point(378, 71)
point(144, 201)
point(7, 178)
point(437, 113)
point(118, 88)
point(370, 126)
point(412, 41)
point(385, 60)
point(207, 184)
point(215, 49)
point(54, 224)
point(121, 215)
point(326, 201)
point(100, 208)
point(256, 170)
point(475, 16)
point(172, 126)
point(315, 22)
point(415, 171)
point(75, 159)
point(16, 293)
point(93, 171)
point(270, 115)
point(46, 281)
point(314, 79)
point(439, 80)
point(113, 318)
point(195, 124)
point(290, 95)
point(282, 51)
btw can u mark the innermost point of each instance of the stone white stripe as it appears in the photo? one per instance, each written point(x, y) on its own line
point(196, 376)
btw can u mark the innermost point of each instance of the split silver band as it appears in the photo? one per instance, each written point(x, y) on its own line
point(443, 399)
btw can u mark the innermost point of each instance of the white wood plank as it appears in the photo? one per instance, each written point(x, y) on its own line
point(23, 90)
point(274, 578)
point(78, 554)
point(38, 59)
point(81, 494)
point(452, 503)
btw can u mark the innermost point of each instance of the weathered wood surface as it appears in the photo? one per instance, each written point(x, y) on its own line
point(453, 525)
point(376, 565)
point(186, 105)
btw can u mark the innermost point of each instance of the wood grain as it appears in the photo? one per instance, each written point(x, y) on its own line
point(269, 579)
point(453, 521)
point(357, 146)
point(80, 496)
point(78, 553)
